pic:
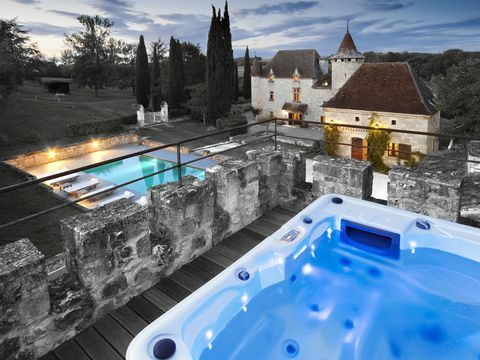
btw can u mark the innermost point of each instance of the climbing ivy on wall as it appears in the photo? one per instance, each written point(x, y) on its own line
point(377, 145)
point(331, 136)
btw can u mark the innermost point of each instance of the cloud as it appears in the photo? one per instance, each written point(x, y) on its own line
point(27, 2)
point(65, 13)
point(386, 5)
point(281, 8)
point(49, 29)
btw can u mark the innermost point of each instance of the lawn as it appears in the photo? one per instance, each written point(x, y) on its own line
point(43, 231)
point(36, 118)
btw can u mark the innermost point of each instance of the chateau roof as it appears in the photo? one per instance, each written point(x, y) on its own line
point(347, 49)
point(285, 61)
point(386, 87)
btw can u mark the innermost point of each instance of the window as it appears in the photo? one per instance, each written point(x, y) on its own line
point(404, 151)
point(271, 96)
point(394, 122)
point(357, 118)
point(271, 78)
point(322, 119)
point(296, 77)
point(271, 115)
point(393, 150)
point(296, 94)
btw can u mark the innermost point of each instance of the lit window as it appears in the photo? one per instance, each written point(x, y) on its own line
point(393, 150)
point(357, 118)
point(296, 94)
point(296, 77)
point(322, 119)
point(271, 78)
point(271, 96)
point(325, 83)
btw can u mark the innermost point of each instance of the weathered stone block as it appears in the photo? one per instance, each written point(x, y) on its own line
point(269, 172)
point(433, 188)
point(105, 240)
point(345, 176)
point(237, 186)
point(23, 284)
point(181, 220)
point(292, 175)
point(474, 155)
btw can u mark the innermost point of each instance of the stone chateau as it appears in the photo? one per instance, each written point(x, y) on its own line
point(301, 85)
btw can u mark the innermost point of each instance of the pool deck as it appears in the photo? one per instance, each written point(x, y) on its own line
point(109, 337)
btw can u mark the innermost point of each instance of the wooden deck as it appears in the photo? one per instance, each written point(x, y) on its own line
point(109, 338)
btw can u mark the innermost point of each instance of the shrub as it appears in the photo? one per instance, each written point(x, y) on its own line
point(377, 145)
point(233, 121)
point(94, 127)
point(129, 120)
point(331, 135)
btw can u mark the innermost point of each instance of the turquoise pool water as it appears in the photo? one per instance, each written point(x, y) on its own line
point(122, 171)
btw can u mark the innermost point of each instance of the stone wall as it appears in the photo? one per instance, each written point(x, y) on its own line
point(433, 188)
point(25, 161)
point(342, 176)
point(474, 155)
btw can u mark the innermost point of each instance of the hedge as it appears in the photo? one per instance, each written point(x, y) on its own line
point(94, 127)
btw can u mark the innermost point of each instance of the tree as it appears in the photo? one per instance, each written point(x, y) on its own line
point(194, 63)
point(156, 83)
point(377, 141)
point(142, 75)
point(236, 89)
point(17, 53)
point(220, 66)
point(197, 102)
point(89, 50)
point(247, 80)
point(176, 78)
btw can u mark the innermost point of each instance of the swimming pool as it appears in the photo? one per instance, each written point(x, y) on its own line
point(344, 279)
point(122, 171)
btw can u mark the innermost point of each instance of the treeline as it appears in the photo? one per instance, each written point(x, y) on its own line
point(454, 77)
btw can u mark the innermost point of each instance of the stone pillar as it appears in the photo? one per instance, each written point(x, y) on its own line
point(24, 298)
point(470, 200)
point(269, 172)
point(181, 219)
point(425, 193)
point(292, 175)
point(344, 176)
point(108, 250)
point(237, 201)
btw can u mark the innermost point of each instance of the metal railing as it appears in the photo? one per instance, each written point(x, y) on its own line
point(179, 164)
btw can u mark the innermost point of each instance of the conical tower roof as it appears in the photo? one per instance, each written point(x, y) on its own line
point(347, 48)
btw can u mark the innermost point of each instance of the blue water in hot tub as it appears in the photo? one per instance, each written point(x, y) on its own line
point(344, 303)
point(135, 167)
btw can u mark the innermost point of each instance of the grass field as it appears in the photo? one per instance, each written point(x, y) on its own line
point(37, 118)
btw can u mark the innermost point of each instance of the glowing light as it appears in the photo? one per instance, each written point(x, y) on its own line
point(307, 269)
point(312, 247)
point(52, 153)
point(413, 245)
point(244, 308)
point(376, 126)
point(210, 346)
point(209, 334)
point(95, 144)
point(280, 261)
point(245, 298)
point(329, 233)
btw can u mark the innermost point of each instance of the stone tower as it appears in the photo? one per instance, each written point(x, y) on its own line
point(345, 62)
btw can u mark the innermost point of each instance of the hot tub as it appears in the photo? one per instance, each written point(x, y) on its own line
point(344, 279)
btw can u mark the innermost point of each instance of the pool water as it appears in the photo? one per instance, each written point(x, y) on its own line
point(122, 171)
point(344, 303)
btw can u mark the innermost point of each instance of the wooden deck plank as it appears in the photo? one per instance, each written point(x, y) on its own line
point(144, 308)
point(182, 279)
point(114, 333)
point(172, 289)
point(207, 265)
point(129, 319)
point(159, 299)
point(218, 258)
point(198, 274)
point(49, 356)
point(70, 350)
point(284, 211)
point(96, 346)
point(226, 251)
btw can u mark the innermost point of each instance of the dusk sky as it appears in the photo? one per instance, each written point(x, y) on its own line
point(266, 26)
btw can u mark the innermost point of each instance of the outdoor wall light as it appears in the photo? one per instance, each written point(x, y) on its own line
point(95, 144)
point(51, 153)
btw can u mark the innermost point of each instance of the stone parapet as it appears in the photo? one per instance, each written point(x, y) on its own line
point(342, 176)
point(474, 155)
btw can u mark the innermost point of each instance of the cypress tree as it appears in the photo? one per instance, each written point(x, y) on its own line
point(236, 89)
point(176, 77)
point(247, 80)
point(212, 63)
point(156, 83)
point(142, 74)
point(229, 65)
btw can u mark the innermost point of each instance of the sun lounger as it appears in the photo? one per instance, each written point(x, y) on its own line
point(125, 195)
point(81, 187)
point(63, 179)
point(58, 171)
point(97, 191)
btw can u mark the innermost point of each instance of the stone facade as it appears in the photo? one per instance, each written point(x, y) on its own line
point(419, 143)
point(474, 155)
point(25, 161)
point(342, 71)
point(433, 188)
point(342, 176)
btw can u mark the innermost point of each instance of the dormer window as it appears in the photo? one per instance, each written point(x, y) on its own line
point(271, 76)
point(296, 75)
point(325, 83)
